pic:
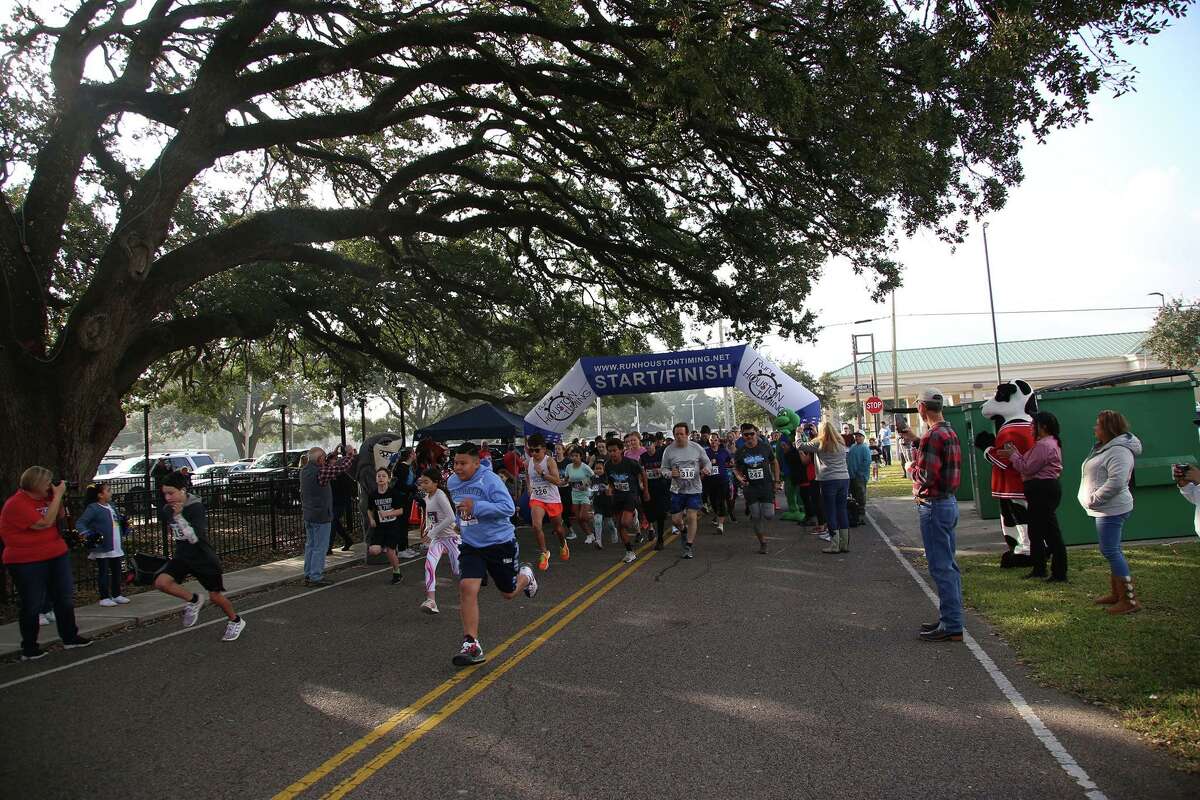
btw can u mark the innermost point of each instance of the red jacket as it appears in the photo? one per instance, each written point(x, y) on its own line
point(1006, 480)
point(23, 544)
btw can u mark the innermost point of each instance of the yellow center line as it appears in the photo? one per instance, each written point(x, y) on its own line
point(350, 751)
point(446, 711)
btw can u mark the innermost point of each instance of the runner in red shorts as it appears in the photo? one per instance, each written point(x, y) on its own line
point(544, 498)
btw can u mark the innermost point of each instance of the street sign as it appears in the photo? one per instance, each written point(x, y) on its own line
point(874, 405)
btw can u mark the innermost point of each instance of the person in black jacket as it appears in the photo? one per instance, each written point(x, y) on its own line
point(186, 520)
point(343, 499)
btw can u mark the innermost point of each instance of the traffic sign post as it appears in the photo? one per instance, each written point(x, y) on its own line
point(874, 405)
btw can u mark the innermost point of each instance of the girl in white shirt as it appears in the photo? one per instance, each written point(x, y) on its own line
point(439, 533)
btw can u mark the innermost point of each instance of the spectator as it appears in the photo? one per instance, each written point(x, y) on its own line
point(514, 469)
point(858, 464)
point(1187, 479)
point(344, 487)
point(936, 470)
point(829, 455)
point(876, 458)
point(161, 470)
point(1104, 494)
point(848, 435)
point(186, 472)
point(103, 528)
point(404, 479)
point(36, 557)
point(1040, 468)
point(316, 500)
point(885, 444)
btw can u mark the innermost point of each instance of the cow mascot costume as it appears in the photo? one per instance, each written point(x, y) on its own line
point(1011, 410)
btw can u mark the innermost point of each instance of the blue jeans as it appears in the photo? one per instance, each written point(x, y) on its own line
point(1108, 531)
point(938, 522)
point(316, 542)
point(40, 583)
point(833, 497)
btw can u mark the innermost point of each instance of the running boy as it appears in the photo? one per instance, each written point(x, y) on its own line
point(489, 544)
point(187, 521)
point(757, 470)
point(626, 483)
point(544, 499)
point(687, 464)
point(386, 504)
point(439, 535)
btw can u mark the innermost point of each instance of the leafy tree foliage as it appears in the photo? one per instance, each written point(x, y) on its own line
point(1175, 336)
point(465, 190)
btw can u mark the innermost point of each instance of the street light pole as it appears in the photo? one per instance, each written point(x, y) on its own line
point(342, 412)
point(992, 303)
point(283, 430)
point(362, 410)
point(1162, 298)
point(691, 398)
point(403, 430)
point(895, 369)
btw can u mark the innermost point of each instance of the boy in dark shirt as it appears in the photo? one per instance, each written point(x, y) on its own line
point(186, 519)
point(626, 482)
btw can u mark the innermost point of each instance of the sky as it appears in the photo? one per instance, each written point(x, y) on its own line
point(1108, 212)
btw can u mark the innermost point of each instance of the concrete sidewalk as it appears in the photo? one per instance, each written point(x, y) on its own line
point(95, 620)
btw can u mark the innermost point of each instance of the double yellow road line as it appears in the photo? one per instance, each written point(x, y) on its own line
point(606, 581)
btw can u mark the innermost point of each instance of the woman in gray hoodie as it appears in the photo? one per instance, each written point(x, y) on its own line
point(1104, 494)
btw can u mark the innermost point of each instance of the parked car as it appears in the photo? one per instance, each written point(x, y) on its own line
point(135, 466)
point(217, 472)
point(254, 481)
point(104, 468)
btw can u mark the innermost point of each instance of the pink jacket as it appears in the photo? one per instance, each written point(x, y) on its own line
point(1042, 461)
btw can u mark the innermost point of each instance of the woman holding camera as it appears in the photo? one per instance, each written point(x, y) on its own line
point(36, 556)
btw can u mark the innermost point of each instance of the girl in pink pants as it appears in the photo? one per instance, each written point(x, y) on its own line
point(439, 533)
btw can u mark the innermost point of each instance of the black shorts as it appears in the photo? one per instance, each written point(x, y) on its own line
point(392, 536)
point(207, 574)
point(624, 501)
point(500, 561)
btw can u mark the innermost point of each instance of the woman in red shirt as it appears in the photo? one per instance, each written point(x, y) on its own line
point(36, 556)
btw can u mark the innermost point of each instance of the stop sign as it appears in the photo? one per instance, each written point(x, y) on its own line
point(874, 405)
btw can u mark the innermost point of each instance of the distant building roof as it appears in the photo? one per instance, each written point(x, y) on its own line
point(1028, 351)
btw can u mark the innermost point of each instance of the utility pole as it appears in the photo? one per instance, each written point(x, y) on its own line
point(854, 361)
point(637, 415)
point(895, 367)
point(283, 430)
point(249, 392)
point(599, 426)
point(342, 412)
point(992, 303)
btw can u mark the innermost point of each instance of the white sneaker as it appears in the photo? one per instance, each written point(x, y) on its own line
point(191, 611)
point(825, 537)
point(121, 599)
point(720, 528)
point(571, 536)
point(43, 619)
point(429, 606)
point(616, 538)
point(108, 602)
point(408, 553)
point(591, 539)
point(233, 630)
point(532, 587)
point(630, 557)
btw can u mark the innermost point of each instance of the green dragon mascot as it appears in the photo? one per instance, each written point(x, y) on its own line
point(787, 423)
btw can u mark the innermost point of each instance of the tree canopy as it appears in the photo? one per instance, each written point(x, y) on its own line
point(460, 190)
point(1175, 336)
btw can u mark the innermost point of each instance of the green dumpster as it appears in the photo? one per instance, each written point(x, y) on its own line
point(1159, 414)
point(957, 417)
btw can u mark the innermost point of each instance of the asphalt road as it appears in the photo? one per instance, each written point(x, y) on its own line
point(789, 675)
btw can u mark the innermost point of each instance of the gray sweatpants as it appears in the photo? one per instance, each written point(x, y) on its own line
point(758, 513)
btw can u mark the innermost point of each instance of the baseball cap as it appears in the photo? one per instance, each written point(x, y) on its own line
point(931, 395)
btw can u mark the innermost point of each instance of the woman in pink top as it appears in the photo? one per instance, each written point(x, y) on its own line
point(1040, 468)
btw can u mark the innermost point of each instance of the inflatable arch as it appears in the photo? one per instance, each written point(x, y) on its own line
point(738, 365)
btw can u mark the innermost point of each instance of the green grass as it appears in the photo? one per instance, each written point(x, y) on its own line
point(891, 483)
point(1145, 666)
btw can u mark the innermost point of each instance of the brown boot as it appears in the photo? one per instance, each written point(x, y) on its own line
point(1114, 593)
point(1128, 603)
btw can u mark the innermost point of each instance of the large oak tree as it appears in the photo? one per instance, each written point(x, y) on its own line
point(457, 189)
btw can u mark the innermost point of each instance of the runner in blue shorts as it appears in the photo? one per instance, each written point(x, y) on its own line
point(687, 464)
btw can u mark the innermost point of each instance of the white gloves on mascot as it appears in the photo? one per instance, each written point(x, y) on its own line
point(1011, 410)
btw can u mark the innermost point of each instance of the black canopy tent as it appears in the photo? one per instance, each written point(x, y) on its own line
point(484, 421)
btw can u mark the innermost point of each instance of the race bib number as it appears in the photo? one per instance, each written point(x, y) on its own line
point(687, 473)
point(543, 492)
point(621, 486)
point(653, 474)
point(466, 521)
point(755, 473)
point(177, 533)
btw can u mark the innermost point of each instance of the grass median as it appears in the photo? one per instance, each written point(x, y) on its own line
point(1144, 666)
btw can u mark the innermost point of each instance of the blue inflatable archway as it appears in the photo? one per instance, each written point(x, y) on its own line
point(740, 366)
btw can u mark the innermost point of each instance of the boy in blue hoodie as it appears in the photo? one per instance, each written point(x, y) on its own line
point(489, 543)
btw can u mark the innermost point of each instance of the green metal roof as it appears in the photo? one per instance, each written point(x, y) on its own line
point(1028, 351)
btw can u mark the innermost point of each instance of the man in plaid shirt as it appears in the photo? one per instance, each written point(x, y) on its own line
point(935, 471)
